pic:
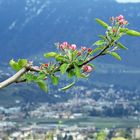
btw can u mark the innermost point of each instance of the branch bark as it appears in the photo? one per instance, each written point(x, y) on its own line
point(15, 77)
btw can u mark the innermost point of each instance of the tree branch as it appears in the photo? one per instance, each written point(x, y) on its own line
point(15, 77)
point(99, 54)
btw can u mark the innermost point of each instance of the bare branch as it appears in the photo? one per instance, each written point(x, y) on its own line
point(15, 77)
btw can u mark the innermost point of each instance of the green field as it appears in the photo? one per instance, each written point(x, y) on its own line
point(98, 122)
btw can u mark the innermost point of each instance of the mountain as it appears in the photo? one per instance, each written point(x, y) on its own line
point(28, 28)
point(32, 26)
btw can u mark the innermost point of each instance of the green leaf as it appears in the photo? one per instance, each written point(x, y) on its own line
point(71, 74)
point(77, 71)
point(22, 62)
point(102, 37)
point(99, 43)
point(41, 76)
point(102, 23)
point(64, 67)
point(70, 56)
point(80, 62)
point(89, 64)
point(50, 54)
point(42, 85)
point(123, 30)
point(98, 49)
point(68, 86)
point(18, 65)
point(74, 54)
point(84, 75)
point(114, 54)
point(14, 65)
point(132, 33)
point(122, 46)
point(54, 79)
point(31, 77)
point(59, 58)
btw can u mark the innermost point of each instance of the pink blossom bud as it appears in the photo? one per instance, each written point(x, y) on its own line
point(83, 48)
point(62, 47)
point(121, 22)
point(46, 65)
point(114, 30)
point(120, 17)
point(125, 22)
point(79, 53)
point(87, 68)
point(112, 19)
point(65, 43)
point(73, 47)
point(89, 50)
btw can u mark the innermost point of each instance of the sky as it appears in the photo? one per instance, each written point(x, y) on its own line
point(128, 1)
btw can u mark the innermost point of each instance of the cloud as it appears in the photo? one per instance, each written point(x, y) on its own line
point(128, 1)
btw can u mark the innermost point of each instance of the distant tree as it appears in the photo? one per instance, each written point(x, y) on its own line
point(118, 138)
point(101, 135)
point(70, 60)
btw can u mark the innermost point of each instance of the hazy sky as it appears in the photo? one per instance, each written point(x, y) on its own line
point(128, 1)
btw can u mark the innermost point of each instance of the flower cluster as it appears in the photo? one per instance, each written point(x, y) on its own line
point(120, 20)
point(81, 54)
point(65, 46)
point(45, 65)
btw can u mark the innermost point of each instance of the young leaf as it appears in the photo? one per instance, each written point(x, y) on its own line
point(91, 65)
point(59, 58)
point(132, 33)
point(123, 30)
point(84, 75)
point(70, 56)
point(30, 77)
point(14, 65)
point(64, 67)
point(51, 54)
point(54, 79)
point(102, 37)
point(71, 74)
point(41, 76)
point(68, 86)
point(97, 49)
point(105, 25)
point(74, 54)
point(114, 54)
point(77, 71)
point(99, 43)
point(42, 85)
point(122, 46)
point(22, 62)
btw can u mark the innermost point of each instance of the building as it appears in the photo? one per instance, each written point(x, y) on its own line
point(136, 133)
